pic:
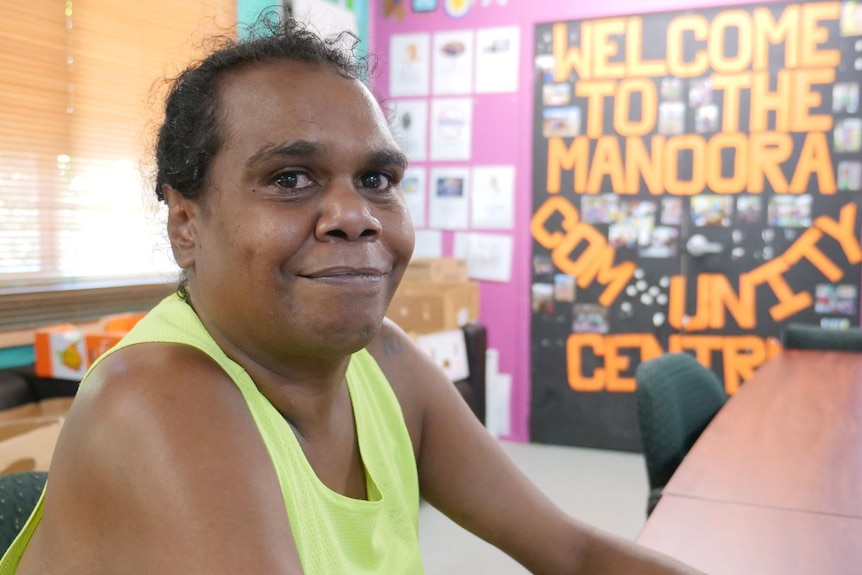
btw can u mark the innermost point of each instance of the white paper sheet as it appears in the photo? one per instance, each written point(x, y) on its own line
point(415, 190)
point(497, 59)
point(452, 62)
point(409, 64)
point(493, 198)
point(448, 349)
point(498, 391)
point(449, 193)
point(429, 244)
point(451, 129)
point(410, 128)
point(489, 256)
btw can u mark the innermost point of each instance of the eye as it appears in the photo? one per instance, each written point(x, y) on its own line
point(375, 181)
point(293, 180)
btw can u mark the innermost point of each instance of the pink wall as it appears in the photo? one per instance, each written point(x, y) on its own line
point(502, 134)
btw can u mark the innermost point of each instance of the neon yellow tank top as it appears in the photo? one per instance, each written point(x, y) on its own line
point(333, 533)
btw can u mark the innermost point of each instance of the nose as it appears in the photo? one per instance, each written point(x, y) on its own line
point(346, 214)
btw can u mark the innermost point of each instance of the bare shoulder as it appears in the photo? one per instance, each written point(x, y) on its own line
point(157, 438)
point(153, 384)
point(409, 372)
point(396, 353)
point(151, 398)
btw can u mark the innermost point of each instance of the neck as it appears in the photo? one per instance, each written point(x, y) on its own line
point(305, 395)
point(302, 382)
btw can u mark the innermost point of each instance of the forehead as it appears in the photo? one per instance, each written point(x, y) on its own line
point(285, 99)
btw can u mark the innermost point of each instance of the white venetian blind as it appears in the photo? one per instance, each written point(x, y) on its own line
point(81, 234)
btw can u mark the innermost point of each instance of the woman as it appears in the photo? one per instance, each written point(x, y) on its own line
point(268, 419)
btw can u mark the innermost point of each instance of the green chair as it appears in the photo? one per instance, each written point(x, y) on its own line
point(676, 398)
point(19, 493)
point(802, 336)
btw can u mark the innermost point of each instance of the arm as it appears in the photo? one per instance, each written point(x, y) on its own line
point(464, 473)
point(160, 469)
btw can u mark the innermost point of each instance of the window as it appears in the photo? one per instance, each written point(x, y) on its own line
point(81, 234)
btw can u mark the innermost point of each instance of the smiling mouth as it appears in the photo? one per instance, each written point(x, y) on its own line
point(347, 277)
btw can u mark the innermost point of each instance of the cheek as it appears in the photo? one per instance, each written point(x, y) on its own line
point(269, 240)
point(409, 239)
point(227, 247)
point(245, 241)
point(399, 229)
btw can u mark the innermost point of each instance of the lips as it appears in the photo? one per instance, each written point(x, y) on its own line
point(356, 279)
point(345, 272)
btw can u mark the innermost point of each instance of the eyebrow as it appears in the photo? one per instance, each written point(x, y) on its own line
point(305, 148)
point(383, 158)
point(300, 148)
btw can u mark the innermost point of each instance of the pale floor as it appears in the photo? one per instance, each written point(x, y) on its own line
point(606, 489)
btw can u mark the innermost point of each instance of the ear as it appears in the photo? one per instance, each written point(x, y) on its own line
point(182, 219)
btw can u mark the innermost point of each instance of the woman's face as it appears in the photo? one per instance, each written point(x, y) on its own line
point(302, 233)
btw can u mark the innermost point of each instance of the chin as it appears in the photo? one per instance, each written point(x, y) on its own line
point(351, 335)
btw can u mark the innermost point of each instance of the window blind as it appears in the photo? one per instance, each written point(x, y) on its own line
point(81, 234)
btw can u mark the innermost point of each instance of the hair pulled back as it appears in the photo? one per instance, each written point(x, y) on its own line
point(192, 131)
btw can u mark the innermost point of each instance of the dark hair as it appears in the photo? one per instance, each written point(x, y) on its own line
point(192, 131)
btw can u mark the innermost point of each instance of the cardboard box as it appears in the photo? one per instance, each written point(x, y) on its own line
point(28, 444)
point(98, 343)
point(121, 323)
point(66, 352)
point(426, 307)
point(61, 352)
point(448, 349)
point(437, 270)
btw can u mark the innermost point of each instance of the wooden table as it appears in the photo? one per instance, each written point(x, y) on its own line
point(774, 484)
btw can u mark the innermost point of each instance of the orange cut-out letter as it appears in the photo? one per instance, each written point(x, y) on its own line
point(676, 302)
point(740, 20)
point(643, 164)
point(554, 204)
point(843, 231)
point(648, 108)
point(575, 157)
point(742, 355)
point(595, 91)
point(567, 58)
point(696, 146)
point(638, 68)
point(805, 98)
point(605, 48)
point(561, 255)
point(723, 297)
point(769, 32)
point(814, 159)
point(607, 161)
point(731, 85)
point(677, 317)
point(813, 35)
point(676, 41)
point(768, 151)
point(575, 346)
point(806, 247)
point(703, 346)
point(650, 347)
point(735, 182)
point(615, 363)
point(614, 277)
point(789, 303)
point(764, 101)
